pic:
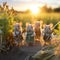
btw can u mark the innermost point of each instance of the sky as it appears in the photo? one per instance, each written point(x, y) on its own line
point(26, 4)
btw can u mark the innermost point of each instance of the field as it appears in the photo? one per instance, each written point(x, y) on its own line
point(7, 21)
point(46, 17)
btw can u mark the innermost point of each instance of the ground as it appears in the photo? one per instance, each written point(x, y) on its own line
point(21, 53)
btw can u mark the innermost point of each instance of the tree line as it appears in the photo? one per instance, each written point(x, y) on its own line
point(45, 8)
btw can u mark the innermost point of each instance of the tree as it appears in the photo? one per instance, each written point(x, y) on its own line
point(57, 9)
point(49, 9)
point(28, 11)
point(0, 8)
point(44, 8)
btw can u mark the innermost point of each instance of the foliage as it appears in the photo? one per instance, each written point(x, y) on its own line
point(6, 24)
point(57, 31)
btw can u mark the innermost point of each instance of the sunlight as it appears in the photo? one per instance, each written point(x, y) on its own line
point(34, 9)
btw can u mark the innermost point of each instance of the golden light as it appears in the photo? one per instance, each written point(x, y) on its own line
point(34, 9)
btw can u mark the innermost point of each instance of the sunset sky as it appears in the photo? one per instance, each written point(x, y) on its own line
point(26, 4)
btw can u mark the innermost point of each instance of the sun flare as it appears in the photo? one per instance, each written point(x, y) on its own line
point(34, 9)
